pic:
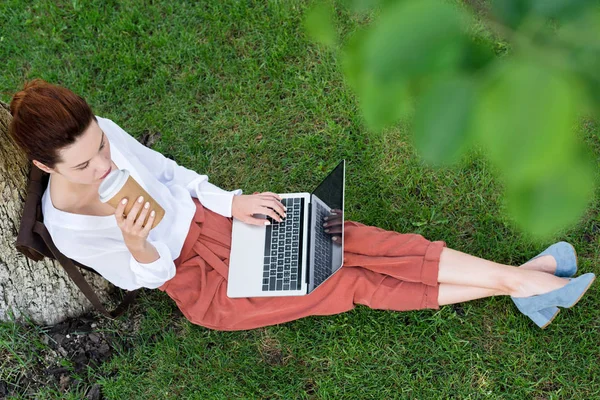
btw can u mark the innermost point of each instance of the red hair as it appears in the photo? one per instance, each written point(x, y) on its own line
point(47, 118)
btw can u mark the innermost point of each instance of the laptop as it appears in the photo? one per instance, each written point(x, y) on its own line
point(296, 256)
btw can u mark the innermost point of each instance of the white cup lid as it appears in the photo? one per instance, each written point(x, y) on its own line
point(111, 185)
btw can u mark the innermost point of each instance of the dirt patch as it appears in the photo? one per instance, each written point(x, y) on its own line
point(86, 341)
point(79, 341)
point(272, 353)
point(149, 138)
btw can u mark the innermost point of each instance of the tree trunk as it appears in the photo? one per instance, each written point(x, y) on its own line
point(40, 291)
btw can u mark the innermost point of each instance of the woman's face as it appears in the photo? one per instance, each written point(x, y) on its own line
point(87, 161)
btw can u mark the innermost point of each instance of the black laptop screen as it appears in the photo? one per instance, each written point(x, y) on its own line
point(328, 205)
point(331, 190)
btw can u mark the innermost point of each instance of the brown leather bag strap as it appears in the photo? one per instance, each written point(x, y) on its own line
point(28, 243)
point(78, 278)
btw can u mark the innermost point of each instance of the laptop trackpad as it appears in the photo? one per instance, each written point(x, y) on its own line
point(246, 260)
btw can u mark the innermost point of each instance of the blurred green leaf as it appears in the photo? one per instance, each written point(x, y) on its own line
point(511, 12)
point(477, 55)
point(561, 9)
point(383, 104)
point(526, 119)
point(414, 38)
point(319, 23)
point(361, 5)
point(580, 39)
point(593, 88)
point(554, 199)
point(442, 119)
point(411, 40)
point(367, 5)
point(526, 116)
point(352, 60)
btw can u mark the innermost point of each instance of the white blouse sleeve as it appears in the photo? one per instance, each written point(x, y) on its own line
point(154, 274)
point(115, 263)
point(170, 173)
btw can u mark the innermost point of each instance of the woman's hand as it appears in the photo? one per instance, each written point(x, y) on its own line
point(332, 224)
point(244, 207)
point(134, 233)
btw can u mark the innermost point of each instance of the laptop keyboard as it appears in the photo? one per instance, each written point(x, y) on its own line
point(323, 248)
point(283, 259)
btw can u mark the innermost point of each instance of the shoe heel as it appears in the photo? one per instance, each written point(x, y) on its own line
point(567, 296)
point(544, 317)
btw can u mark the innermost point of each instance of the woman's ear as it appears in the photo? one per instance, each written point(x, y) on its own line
point(42, 167)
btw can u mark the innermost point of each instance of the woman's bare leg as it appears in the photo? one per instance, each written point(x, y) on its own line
point(452, 294)
point(462, 269)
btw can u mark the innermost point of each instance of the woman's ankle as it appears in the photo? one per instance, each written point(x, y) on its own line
point(535, 283)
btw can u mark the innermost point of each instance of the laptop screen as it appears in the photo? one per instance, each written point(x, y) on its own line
point(327, 206)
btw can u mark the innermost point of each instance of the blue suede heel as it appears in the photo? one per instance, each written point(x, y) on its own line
point(566, 266)
point(565, 256)
point(543, 317)
point(567, 296)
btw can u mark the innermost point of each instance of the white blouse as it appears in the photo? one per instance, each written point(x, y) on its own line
point(97, 241)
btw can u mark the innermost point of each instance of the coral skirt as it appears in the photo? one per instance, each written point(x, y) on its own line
point(382, 270)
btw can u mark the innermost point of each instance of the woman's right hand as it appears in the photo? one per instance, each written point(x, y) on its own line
point(134, 233)
point(244, 207)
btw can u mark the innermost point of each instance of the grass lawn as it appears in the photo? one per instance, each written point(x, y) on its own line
point(237, 91)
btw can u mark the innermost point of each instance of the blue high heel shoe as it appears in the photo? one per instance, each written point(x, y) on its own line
point(544, 317)
point(565, 256)
point(566, 266)
point(566, 296)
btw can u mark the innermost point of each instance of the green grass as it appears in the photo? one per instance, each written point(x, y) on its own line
point(238, 92)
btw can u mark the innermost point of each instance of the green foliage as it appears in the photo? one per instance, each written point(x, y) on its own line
point(522, 107)
point(319, 24)
point(546, 202)
point(525, 118)
point(443, 138)
point(413, 39)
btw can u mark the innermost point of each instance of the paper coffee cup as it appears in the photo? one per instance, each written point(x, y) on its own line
point(120, 184)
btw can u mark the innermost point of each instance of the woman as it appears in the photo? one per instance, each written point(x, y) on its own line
point(187, 254)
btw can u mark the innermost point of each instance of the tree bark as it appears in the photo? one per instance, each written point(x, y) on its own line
point(39, 291)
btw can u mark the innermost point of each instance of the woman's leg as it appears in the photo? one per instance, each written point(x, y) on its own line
point(452, 294)
point(460, 269)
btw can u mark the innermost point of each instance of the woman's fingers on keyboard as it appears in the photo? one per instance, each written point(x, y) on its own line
point(271, 213)
point(332, 221)
point(276, 206)
point(334, 229)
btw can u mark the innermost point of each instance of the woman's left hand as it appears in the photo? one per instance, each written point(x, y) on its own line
point(244, 207)
point(332, 225)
